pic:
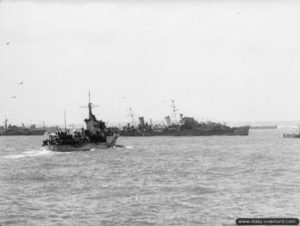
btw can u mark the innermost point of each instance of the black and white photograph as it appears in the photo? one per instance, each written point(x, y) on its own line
point(148, 112)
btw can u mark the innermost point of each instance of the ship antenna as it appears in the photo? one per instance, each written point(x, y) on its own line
point(5, 123)
point(174, 110)
point(65, 119)
point(131, 115)
point(90, 106)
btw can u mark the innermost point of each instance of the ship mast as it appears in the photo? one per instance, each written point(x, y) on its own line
point(132, 116)
point(89, 96)
point(174, 112)
point(5, 123)
point(65, 120)
point(91, 121)
point(90, 106)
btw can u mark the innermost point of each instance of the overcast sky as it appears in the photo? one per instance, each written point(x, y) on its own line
point(223, 60)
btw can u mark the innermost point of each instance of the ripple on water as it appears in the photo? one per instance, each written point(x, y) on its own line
point(150, 181)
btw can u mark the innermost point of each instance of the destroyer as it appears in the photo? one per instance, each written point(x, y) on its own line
point(95, 136)
point(187, 126)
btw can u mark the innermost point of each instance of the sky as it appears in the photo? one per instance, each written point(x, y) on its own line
point(219, 60)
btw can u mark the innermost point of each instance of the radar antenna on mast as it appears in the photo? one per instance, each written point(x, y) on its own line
point(90, 105)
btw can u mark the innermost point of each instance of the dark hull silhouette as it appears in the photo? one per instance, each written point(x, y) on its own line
point(23, 132)
point(185, 126)
point(110, 142)
point(291, 135)
point(264, 127)
point(228, 131)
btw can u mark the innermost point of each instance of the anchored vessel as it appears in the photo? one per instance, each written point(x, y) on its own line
point(187, 126)
point(264, 127)
point(95, 136)
point(292, 135)
point(12, 130)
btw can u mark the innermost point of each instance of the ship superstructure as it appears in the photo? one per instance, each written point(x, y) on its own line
point(13, 130)
point(186, 126)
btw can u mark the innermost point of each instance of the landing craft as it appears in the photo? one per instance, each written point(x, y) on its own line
point(96, 136)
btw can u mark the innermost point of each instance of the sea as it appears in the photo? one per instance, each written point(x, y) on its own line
point(151, 181)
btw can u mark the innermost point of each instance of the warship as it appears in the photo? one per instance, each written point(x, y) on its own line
point(295, 134)
point(12, 130)
point(95, 136)
point(187, 126)
point(264, 127)
point(291, 135)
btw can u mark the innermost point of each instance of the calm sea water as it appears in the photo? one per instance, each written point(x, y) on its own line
point(151, 181)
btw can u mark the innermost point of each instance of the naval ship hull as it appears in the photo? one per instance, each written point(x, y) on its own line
point(111, 141)
point(235, 131)
point(290, 135)
point(23, 132)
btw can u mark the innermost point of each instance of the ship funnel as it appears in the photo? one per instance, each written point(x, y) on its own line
point(142, 121)
point(168, 120)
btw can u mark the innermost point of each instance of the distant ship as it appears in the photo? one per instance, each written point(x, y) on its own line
point(96, 136)
point(187, 126)
point(264, 127)
point(12, 130)
point(292, 134)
